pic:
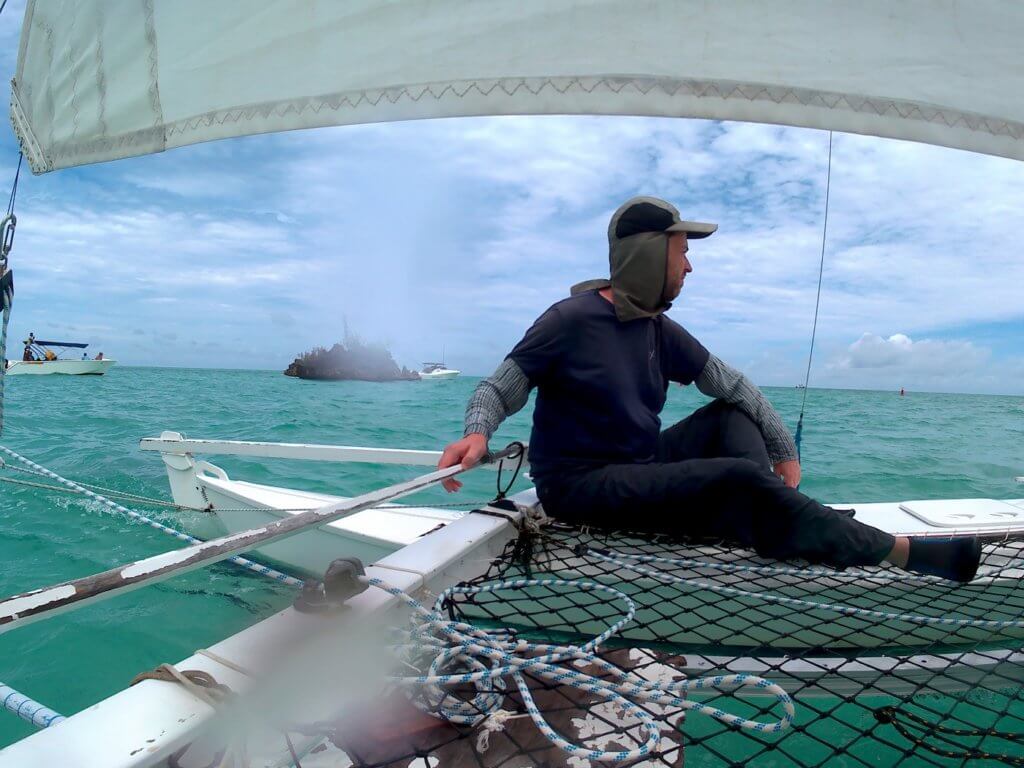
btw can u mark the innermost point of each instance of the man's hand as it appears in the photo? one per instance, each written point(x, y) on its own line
point(789, 471)
point(468, 451)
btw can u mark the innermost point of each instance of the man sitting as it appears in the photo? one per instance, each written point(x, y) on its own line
point(602, 360)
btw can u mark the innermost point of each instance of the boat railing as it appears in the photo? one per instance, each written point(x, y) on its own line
point(175, 443)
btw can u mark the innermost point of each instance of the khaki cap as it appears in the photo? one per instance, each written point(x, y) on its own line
point(651, 214)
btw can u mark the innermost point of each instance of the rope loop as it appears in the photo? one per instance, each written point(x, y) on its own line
point(519, 453)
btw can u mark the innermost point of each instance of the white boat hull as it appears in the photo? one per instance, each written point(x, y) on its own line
point(236, 506)
point(445, 374)
point(63, 367)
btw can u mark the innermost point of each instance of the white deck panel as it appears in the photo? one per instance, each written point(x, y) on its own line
point(956, 513)
point(892, 518)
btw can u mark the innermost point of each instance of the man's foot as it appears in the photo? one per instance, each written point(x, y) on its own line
point(953, 559)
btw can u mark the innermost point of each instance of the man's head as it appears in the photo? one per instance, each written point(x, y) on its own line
point(647, 245)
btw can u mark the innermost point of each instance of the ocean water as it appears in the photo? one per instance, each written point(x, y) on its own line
point(858, 446)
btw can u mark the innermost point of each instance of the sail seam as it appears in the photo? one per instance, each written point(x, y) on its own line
point(175, 133)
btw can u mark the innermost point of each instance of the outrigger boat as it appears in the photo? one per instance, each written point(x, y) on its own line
point(40, 359)
point(860, 666)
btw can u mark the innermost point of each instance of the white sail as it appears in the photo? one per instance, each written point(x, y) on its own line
point(100, 79)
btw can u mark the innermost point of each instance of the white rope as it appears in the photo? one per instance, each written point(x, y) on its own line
point(262, 570)
point(492, 657)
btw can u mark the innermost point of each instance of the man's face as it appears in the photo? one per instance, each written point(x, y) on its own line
point(677, 265)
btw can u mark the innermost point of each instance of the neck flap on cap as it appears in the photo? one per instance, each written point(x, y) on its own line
point(637, 264)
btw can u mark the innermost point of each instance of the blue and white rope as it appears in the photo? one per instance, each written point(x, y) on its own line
point(262, 570)
point(492, 657)
point(845, 610)
point(27, 709)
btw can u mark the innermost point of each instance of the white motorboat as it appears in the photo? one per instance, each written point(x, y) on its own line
point(65, 367)
point(40, 359)
point(90, 87)
point(437, 371)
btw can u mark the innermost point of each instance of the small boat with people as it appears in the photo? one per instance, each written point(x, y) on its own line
point(45, 357)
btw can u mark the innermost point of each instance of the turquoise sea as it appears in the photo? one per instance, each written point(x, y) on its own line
point(858, 446)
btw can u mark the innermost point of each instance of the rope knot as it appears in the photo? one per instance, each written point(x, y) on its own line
point(493, 723)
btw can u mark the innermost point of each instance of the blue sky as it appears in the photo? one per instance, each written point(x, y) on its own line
point(457, 233)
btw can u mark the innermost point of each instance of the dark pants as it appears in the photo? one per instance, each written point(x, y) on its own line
point(712, 478)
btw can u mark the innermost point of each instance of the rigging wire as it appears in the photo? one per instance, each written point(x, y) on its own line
point(7, 227)
point(14, 186)
point(817, 300)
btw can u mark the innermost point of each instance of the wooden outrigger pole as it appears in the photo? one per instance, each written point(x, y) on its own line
point(19, 610)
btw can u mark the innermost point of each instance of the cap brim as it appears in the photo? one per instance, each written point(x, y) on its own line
point(694, 230)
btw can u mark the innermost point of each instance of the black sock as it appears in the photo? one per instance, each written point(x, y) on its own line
point(953, 559)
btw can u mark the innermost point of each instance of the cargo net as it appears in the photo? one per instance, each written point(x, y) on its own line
point(885, 667)
point(398, 732)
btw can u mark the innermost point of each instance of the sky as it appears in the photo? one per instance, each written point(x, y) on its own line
point(451, 236)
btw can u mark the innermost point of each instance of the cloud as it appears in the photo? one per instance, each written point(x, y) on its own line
point(900, 352)
point(458, 233)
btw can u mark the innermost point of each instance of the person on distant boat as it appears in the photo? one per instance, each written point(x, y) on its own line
point(50, 355)
point(99, 356)
point(601, 361)
point(27, 355)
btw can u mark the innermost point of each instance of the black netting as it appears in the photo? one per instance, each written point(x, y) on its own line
point(869, 690)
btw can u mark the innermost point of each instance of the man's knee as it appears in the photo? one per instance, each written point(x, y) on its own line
point(742, 472)
point(718, 407)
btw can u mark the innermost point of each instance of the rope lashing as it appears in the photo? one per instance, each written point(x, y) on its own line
point(486, 659)
point(262, 570)
point(817, 301)
point(951, 749)
point(135, 498)
point(200, 684)
point(768, 597)
point(32, 711)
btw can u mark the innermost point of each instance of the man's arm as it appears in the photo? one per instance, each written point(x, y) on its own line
point(495, 399)
point(722, 381)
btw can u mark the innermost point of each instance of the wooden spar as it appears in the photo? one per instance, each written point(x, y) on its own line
point(25, 608)
point(172, 442)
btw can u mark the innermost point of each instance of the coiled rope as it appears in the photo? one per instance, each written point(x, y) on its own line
point(487, 659)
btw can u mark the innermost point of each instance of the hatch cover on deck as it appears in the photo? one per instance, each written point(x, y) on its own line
point(965, 513)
